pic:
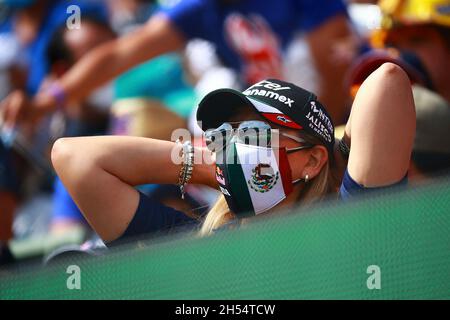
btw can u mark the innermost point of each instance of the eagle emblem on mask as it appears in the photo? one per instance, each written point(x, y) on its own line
point(263, 178)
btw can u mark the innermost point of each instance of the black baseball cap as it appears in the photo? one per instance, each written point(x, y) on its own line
point(280, 102)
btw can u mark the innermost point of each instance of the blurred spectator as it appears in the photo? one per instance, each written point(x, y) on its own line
point(423, 28)
point(32, 24)
point(90, 117)
point(253, 40)
point(8, 203)
point(416, 36)
point(25, 32)
point(366, 17)
point(208, 73)
point(431, 152)
point(154, 98)
point(127, 15)
point(151, 100)
point(248, 36)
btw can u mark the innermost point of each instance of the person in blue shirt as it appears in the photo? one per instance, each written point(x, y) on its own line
point(305, 167)
point(227, 23)
point(249, 36)
point(33, 23)
point(8, 202)
point(140, 99)
point(91, 117)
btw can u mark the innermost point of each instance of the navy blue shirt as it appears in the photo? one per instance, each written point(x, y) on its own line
point(152, 217)
point(350, 188)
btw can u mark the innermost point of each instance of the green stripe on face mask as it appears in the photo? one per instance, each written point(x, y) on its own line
point(242, 202)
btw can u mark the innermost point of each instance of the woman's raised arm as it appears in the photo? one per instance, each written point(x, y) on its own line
point(382, 128)
point(100, 174)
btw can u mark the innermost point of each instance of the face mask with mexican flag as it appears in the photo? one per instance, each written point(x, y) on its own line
point(253, 179)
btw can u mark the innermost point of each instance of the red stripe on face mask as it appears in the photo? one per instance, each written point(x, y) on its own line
point(285, 171)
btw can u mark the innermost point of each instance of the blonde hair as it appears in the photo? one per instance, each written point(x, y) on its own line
point(315, 190)
point(219, 215)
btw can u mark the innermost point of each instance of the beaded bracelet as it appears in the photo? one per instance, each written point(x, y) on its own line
point(187, 166)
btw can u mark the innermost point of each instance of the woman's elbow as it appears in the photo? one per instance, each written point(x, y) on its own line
point(59, 152)
point(73, 159)
point(62, 152)
point(392, 77)
point(389, 69)
point(391, 87)
point(398, 82)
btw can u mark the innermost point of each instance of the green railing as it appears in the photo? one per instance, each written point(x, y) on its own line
point(322, 253)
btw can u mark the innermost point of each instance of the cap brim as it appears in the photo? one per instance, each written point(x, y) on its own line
point(371, 61)
point(219, 106)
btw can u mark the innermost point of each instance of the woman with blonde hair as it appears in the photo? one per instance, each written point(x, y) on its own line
point(273, 147)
